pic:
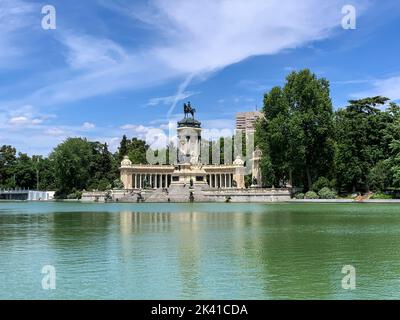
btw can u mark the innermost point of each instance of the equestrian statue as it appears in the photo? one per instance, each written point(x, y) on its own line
point(188, 109)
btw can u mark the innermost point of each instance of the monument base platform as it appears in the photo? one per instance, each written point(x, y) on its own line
point(181, 193)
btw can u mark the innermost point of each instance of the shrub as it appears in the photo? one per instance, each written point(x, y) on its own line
point(326, 193)
point(311, 195)
point(75, 195)
point(117, 184)
point(299, 195)
point(382, 196)
point(321, 183)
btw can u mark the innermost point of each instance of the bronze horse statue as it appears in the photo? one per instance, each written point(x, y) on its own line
point(188, 109)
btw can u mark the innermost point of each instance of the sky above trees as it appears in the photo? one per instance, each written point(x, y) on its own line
point(126, 67)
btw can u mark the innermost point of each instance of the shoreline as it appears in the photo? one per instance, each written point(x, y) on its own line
point(292, 201)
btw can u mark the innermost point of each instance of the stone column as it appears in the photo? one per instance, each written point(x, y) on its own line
point(238, 176)
point(126, 178)
point(140, 180)
point(256, 177)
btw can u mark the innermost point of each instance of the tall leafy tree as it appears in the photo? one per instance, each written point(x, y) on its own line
point(8, 159)
point(72, 165)
point(25, 172)
point(310, 104)
point(360, 143)
point(137, 151)
point(298, 130)
point(123, 148)
point(392, 135)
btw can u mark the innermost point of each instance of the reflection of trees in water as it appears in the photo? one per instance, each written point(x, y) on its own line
point(80, 228)
point(294, 260)
point(303, 256)
point(81, 238)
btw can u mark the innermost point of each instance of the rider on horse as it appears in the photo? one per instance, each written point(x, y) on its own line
point(188, 109)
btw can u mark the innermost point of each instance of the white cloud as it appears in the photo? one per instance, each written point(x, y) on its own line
point(55, 132)
point(389, 87)
point(193, 38)
point(208, 35)
point(24, 121)
point(15, 15)
point(189, 39)
point(155, 137)
point(88, 125)
point(87, 52)
point(171, 99)
point(23, 116)
point(135, 128)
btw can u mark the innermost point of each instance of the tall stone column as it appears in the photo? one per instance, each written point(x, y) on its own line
point(238, 176)
point(126, 179)
point(256, 177)
point(126, 173)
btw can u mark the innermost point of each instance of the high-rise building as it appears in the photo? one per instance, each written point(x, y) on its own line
point(246, 120)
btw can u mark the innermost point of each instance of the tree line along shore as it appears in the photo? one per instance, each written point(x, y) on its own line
point(322, 152)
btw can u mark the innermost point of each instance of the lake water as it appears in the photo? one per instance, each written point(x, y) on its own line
point(199, 251)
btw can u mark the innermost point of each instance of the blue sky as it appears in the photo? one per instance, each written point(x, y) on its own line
point(125, 67)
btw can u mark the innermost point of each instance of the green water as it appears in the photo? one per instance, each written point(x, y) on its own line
point(199, 251)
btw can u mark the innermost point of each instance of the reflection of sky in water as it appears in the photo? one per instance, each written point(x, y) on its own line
point(199, 251)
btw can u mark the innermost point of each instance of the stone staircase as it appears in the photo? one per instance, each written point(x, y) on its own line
point(178, 193)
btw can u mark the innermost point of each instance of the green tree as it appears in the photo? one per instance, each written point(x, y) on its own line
point(46, 172)
point(309, 101)
point(297, 132)
point(360, 140)
point(137, 151)
point(72, 165)
point(25, 172)
point(392, 137)
point(8, 159)
point(123, 148)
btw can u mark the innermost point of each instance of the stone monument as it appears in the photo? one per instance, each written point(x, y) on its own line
point(256, 177)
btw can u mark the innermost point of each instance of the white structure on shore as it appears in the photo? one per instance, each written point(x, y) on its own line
point(188, 171)
point(189, 179)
